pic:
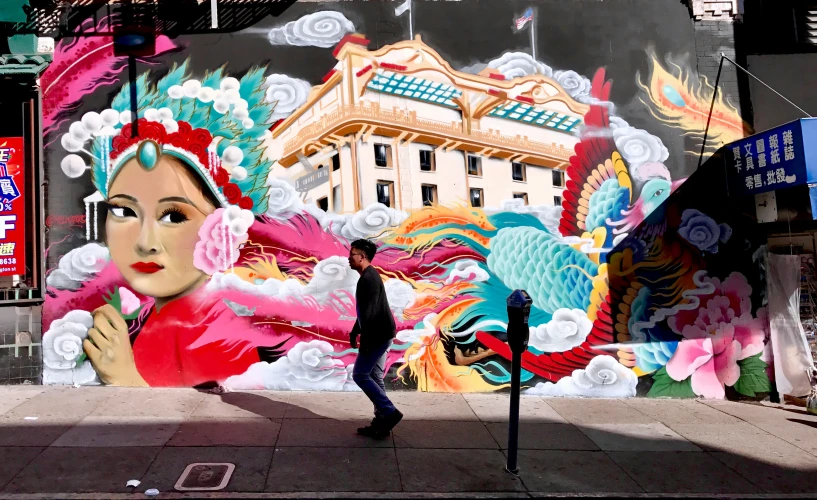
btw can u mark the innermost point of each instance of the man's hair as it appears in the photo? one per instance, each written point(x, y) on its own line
point(367, 247)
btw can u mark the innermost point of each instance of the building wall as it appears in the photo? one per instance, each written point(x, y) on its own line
point(277, 297)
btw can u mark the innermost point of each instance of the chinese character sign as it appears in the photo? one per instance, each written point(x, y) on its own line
point(12, 206)
point(767, 161)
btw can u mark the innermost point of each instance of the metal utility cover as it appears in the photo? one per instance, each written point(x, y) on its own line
point(205, 477)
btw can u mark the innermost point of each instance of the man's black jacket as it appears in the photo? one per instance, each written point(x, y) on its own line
point(375, 323)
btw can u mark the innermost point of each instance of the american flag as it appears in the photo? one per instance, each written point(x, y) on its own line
point(522, 21)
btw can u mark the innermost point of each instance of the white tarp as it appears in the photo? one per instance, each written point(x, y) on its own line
point(793, 364)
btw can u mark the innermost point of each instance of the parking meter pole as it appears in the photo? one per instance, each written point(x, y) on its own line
point(513, 417)
point(519, 304)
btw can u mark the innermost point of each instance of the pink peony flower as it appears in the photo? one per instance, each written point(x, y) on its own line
point(717, 335)
point(218, 247)
point(129, 302)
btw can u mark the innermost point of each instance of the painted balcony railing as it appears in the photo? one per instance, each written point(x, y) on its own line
point(374, 114)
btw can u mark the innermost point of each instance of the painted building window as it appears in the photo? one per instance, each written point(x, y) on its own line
point(519, 172)
point(521, 196)
point(557, 200)
point(474, 166)
point(558, 178)
point(477, 197)
point(336, 161)
point(382, 155)
point(427, 161)
point(324, 203)
point(385, 193)
point(429, 194)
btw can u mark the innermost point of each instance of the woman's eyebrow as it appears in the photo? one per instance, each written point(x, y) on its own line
point(130, 198)
point(178, 199)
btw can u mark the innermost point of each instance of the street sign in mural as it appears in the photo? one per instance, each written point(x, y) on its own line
point(775, 159)
point(312, 180)
point(12, 207)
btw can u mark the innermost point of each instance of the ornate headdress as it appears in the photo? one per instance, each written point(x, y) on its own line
point(216, 125)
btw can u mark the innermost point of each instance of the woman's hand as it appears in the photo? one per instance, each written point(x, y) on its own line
point(110, 352)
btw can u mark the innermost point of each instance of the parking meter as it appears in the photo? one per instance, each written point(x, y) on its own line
point(519, 304)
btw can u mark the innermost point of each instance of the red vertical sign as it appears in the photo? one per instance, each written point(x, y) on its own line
point(12, 206)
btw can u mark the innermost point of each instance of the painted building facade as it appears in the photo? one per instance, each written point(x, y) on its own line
point(207, 239)
point(399, 127)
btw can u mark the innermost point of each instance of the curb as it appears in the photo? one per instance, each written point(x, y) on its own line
point(392, 495)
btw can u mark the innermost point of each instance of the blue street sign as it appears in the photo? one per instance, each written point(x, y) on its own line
point(779, 158)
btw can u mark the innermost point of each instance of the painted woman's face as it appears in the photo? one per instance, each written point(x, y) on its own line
point(152, 227)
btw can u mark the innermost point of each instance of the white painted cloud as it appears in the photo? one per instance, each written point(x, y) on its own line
point(518, 64)
point(331, 277)
point(418, 334)
point(320, 29)
point(604, 377)
point(367, 223)
point(639, 146)
point(62, 348)
point(567, 329)
point(287, 93)
point(283, 201)
point(77, 266)
point(401, 295)
point(467, 270)
point(308, 366)
point(576, 85)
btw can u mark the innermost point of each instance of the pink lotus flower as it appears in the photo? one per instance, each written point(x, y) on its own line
point(220, 238)
point(129, 302)
point(717, 335)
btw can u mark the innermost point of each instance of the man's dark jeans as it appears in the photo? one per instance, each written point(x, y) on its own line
point(368, 374)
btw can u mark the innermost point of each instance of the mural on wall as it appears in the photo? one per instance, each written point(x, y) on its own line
point(217, 248)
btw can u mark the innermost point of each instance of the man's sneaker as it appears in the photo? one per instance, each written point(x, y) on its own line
point(388, 423)
point(370, 430)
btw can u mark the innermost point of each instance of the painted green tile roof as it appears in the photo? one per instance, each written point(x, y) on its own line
point(11, 64)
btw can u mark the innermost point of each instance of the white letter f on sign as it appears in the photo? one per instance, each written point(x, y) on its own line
point(6, 224)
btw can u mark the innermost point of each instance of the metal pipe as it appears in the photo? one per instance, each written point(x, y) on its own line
point(711, 109)
point(513, 417)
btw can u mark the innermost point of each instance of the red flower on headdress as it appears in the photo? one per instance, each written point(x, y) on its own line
point(245, 203)
point(176, 139)
point(154, 131)
point(193, 141)
point(221, 177)
point(232, 193)
point(184, 128)
point(201, 136)
point(198, 150)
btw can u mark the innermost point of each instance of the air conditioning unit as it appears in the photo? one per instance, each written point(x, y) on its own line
point(807, 25)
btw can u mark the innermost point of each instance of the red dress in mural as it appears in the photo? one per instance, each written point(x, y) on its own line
point(169, 351)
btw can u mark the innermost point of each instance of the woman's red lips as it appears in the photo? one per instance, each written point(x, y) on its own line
point(146, 267)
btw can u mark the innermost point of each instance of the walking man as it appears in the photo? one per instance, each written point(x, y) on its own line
point(376, 329)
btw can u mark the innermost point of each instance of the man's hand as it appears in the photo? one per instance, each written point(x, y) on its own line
point(353, 341)
point(110, 352)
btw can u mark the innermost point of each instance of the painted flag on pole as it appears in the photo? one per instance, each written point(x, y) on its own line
point(402, 8)
point(525, 19)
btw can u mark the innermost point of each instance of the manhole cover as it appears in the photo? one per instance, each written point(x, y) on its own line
point(205, 477)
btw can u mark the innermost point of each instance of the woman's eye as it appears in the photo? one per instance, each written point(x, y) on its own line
point(122, 212)
point(173, 217)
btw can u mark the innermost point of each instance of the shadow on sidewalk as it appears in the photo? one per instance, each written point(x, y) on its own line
point(280, 447)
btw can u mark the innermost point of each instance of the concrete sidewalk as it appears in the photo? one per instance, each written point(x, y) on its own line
point(71, 443)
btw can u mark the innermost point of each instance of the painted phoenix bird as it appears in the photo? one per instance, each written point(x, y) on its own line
point(606, 202)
